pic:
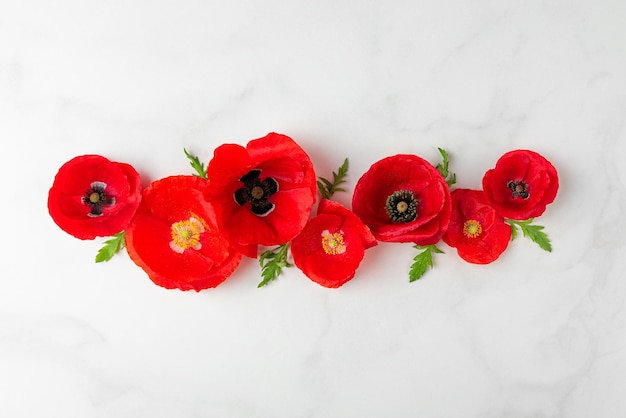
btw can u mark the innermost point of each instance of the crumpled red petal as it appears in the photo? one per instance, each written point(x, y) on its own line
point(74, 179)
point(165, 202)
point(403, 172)
point(278, 157)
point(529, 167)
point(495, 236)
point(331, 270)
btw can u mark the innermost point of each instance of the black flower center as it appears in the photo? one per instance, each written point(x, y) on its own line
point(257, 192)
point(401, 206)
point(97, 199)
point(518, 189)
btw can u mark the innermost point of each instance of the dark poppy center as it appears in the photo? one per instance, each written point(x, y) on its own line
point(97, 199)
point(401, 206)
point(518, 189)
point(256, 192)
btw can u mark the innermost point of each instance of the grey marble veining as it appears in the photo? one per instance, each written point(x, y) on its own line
point(532, 335)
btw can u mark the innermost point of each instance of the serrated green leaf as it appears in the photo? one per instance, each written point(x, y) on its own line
point(327, 188)
point(452, 180)
point(272, 263)
point(536, 234)
point(513, 231)
point(443, 168)
point(266, 256)
point(436, 250)
point(326, 182)
point(533, 232)
point(321, 189)
point(111, 247)
point(422, 261)
point(195, 163)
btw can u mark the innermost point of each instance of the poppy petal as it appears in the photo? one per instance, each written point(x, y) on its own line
point(529, 169)
point(203, 263)
point(403, 173)
point(490, 236)
point(115, 186)
point(332, 245)
point(263, 193)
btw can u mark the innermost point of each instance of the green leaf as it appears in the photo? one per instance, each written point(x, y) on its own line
point(533, 232)
point(451, 180)
point(444, 169)
point(195, 163)
point(325, 183)
point(272, 263)
point(536, 234)
point(422, 261)
point(111, 247)
point(327, 188)
point(513, 231)
point(322, 189)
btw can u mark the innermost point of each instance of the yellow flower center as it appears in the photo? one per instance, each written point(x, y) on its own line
point(472, 228)
point(186, 234)
point(94, 197)
point(333, 244)
point(402, 206)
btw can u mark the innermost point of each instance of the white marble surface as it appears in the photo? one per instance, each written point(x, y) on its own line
point(532, 335)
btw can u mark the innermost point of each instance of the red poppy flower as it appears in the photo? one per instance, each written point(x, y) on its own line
point(521, 185)
point(174, 236)
point(403, 198)
point(94, 197)
point(476, 230)
point(262, 193)
point(332, 244)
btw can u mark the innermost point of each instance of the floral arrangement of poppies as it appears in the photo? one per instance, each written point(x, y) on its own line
point(256, 201)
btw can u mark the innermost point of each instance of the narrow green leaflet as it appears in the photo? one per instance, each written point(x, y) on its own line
point(422, 261)
point(111, 247)
point(195, 163)
point(272, 263)
point(443, 168)
point(327, 188)
point(513, 231)
point(534, 232)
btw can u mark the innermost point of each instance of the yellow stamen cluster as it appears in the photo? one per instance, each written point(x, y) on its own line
point(186, 234)
point(402, 206)
point(472, 228)
point(333, 244)
point(94, 197)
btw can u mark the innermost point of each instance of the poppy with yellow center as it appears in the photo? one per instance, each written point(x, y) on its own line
point(175, 239)
point(332, 244)
point(477, 232)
